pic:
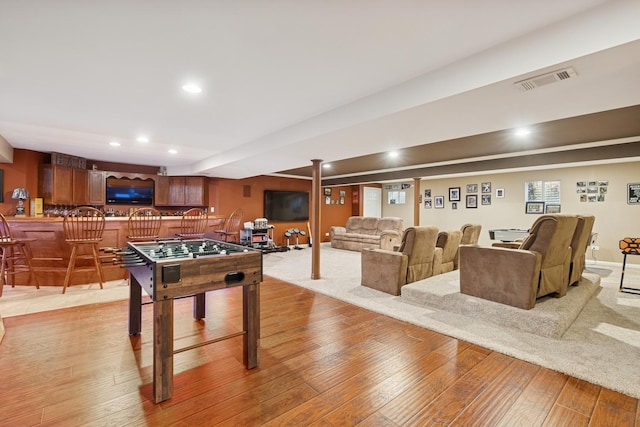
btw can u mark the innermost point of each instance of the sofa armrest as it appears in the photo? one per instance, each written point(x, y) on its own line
point(507, 276)
point(389, 239)
point(437, 261)
point(336, 229)
point(383, 270)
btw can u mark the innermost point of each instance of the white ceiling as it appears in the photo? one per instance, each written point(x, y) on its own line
point(288, 81)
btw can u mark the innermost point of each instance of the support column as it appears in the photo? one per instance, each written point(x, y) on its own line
point(316, 187)
point(416, 201)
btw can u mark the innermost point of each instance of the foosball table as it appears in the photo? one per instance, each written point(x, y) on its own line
point(173, 269)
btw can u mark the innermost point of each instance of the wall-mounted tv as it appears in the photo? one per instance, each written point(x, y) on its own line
point(282, 205)
point(125, 191)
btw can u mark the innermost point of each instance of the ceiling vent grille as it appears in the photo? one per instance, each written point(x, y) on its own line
point(545, 79)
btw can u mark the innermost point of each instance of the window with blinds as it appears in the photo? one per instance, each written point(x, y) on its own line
point(542, 191)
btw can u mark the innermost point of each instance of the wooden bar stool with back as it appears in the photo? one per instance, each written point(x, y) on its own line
point(193, 224)
point(83, 228)
point(16, 257)
point(144, 225)
point(232, 226)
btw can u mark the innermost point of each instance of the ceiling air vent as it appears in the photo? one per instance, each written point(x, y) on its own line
point(545, 79)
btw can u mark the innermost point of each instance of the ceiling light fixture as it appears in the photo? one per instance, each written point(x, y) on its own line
point(142, 138)
point(191, 88)
point(393, 154)
point(114, 144)
point(326, 165)
point(522, 132)
point(173, 151)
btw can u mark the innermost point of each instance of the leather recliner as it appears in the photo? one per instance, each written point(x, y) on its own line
point(470, 236)
point(579, 244)
point(516, 277)
point(417, 258)
point(449, 241)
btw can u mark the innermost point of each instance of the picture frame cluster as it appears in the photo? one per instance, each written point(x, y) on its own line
point(475, 196)
point(592, 191)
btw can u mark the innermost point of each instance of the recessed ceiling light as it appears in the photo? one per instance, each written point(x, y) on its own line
point(192, 88)
point(393, 154)
point(173, 151)
point(326, 165)
point(114, 144)
point(142, 138)
point(522, 132)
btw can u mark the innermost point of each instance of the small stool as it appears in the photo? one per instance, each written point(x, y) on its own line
point(629, 246)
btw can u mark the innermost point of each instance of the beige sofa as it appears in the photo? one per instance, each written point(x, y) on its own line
point(367, 232)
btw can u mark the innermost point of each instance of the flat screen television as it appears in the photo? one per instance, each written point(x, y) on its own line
point(124, 191)
point(282, 205)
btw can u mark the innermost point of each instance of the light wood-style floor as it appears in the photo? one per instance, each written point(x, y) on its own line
point(323, 362)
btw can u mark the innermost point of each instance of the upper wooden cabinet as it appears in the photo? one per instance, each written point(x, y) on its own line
point(161, 193)
point(97, 185)
point(62, 185)
point(182, 191)
point(196, 191)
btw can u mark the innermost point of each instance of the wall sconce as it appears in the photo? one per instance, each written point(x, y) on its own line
point(20, 194)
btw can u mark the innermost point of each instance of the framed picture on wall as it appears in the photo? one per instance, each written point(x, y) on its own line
point(454, 194)
point(486, 199)
point(486, 187)
point(1, 185)
point(472, 201)
point(534, 207)
point(633, 194)
point(552, 209)
point(438, 202)
point(499, 193)
point(327, 191)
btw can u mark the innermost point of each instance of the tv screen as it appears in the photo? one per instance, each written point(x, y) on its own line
point(286, 205)
point(129, 192)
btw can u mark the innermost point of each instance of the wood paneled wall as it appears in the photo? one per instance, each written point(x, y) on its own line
point(225, 195)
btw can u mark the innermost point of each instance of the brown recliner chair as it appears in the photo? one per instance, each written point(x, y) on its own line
point(449, 241)
point(470, 236)
point(416, 259)
point(517, 277)
point(579, 243)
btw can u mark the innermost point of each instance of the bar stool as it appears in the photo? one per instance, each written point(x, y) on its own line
point(193, 224)
point(628, 246)
point(83, 227)
point(232, 225)
point(16, 257)
point(144, 224)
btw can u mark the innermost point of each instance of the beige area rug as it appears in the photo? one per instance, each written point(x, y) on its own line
point(602, 344)
point(27, 299)
point(549, 318)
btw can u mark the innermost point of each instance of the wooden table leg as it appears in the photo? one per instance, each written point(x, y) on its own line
point(199, 306)
point(162, 350)
point(251, 324)
point(135, 306)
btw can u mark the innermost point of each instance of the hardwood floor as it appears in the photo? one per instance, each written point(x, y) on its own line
point(323, 362)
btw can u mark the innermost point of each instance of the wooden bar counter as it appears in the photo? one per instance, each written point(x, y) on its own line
point(50, 252)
